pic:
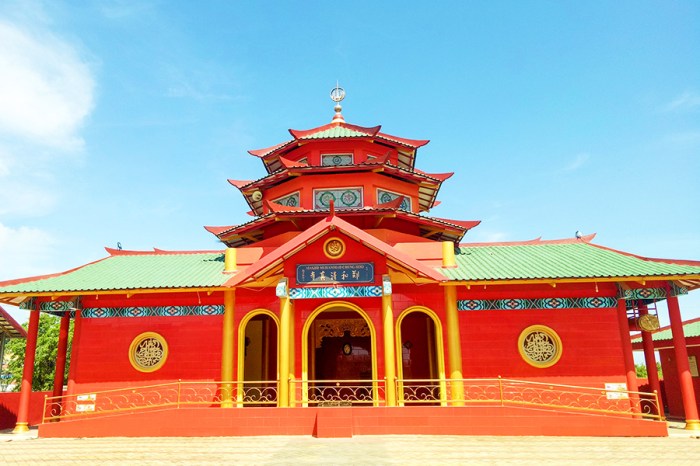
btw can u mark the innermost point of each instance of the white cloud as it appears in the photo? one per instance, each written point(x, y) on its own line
point(579, 161)
point(28, 201)
point(46, 89)
point(46, 93)
point(689, 100)
point(21, 249)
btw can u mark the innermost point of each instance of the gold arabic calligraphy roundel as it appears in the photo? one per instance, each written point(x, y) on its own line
point(148, 352)
point(540, 346)
point(334, 248)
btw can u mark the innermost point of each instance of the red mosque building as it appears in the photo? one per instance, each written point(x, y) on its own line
point(344, 308)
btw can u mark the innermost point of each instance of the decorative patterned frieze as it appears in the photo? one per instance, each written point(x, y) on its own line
point(161, 311)
point(336, 292)
point(27, 304)
point(345, 198)
point(651, 293)
point(292, 200)
point(60, 306)
point(678, 290)
point(514, 304)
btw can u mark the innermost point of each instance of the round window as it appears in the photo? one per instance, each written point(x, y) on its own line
point(148, 352)
point(540, 346)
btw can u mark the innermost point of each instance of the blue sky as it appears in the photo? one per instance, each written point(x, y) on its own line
point(121, 121)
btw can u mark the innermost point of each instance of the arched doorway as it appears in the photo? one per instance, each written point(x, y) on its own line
point(421, 370)
point(339, 357)
point(257, 359)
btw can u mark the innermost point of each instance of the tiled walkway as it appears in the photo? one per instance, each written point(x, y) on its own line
point(678, 449)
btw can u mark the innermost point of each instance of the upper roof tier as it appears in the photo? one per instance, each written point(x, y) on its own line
point(405, 149)
point(426, 185)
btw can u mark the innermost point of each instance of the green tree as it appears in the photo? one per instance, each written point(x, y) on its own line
point(46, 349)
point(642, 370)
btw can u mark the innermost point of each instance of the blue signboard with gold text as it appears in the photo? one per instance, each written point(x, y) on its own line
point(358, 272)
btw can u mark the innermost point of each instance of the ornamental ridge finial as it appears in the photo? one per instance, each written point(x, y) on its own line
point(337, 94)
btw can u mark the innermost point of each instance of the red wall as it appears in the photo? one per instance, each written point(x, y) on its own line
point(590, 342)
point(9, 403)
point(102, 354)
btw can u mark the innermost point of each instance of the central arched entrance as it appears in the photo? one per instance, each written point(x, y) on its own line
point(339, 356)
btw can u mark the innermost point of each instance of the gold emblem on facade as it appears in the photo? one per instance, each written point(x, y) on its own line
point(648, 322)
point(540, 346)
point(334, 248)
point(148, 352)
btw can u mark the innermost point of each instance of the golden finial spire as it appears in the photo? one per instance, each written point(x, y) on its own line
point(337, 94)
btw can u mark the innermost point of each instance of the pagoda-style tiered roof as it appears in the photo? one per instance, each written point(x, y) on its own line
point(341, 131)
point(374, 169)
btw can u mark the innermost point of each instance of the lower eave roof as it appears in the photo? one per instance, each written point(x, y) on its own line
point(453, 230)
point(556, 260)
point(502, 263)
point(9, 326)
point(132, 271)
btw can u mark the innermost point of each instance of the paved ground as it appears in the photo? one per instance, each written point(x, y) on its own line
point(680, 448)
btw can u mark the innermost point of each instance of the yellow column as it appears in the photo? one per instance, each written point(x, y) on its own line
point(227, 350)
point(227, 346)
point(448, 254)
point(230, 260)
point(292, 360)
point(285, 331)
point(389, 352)
point(454, 345)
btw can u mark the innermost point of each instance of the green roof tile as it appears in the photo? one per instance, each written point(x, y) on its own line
point(560, 260)
point(336, 132)
point(690, 329)
point(125, 272)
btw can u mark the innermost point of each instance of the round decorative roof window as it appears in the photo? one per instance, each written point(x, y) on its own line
point(148, 352)
point(540, 346)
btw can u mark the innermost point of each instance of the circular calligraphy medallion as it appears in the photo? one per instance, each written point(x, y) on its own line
point(148, 352)
point(540, 346)
point(326, 198)
point(334, 248)
point(349, 198)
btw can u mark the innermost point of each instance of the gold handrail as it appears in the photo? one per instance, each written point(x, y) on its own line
point(540, 394)
point(319, 392)
point(436, 392)
point(167, 395)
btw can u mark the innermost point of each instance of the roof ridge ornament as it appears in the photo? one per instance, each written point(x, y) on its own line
point(337, 94)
